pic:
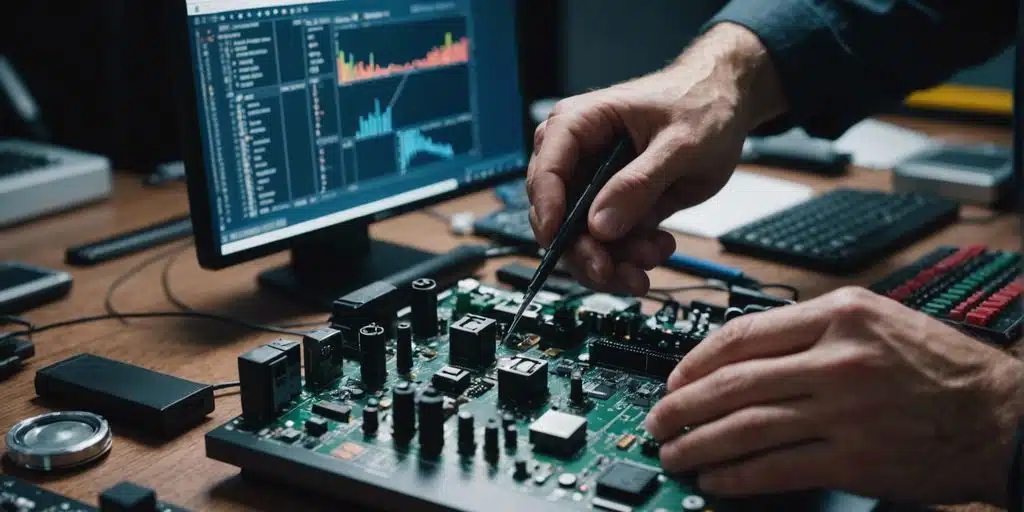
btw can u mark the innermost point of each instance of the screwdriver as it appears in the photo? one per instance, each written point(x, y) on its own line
point(620, 155)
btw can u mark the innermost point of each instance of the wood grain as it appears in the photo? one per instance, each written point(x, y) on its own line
point(207, 352)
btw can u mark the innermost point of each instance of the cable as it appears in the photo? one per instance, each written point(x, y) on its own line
point(778, 286)
point(226, 385)
point(108, 301)
point(165, 283)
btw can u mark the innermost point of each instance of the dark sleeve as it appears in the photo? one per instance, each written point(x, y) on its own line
point(843, 60)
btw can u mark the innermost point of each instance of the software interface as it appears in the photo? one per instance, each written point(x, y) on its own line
point(316, 113)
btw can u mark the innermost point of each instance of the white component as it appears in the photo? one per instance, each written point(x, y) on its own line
point(462, 223)
point(70, 178)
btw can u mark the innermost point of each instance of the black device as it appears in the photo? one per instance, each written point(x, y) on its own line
point(152, 402)
point(132, 242)
point(844, 230)
point(432, 110)
point(13, 354)
point(797, 150)
point(475, 425)
point(974, 288)
point(24, 286)
point(508, 226)
point(620, 155)
point(21, 496)
point(518, 276)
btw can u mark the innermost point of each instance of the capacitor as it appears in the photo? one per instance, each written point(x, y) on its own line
point(431, 415)
point(491, 448)
point(403, 416)
point(403, 338)
point(423, 305)
point(522, 469)
point(508, 419)
point(511, 437)
point(668, 313)
point(576, 388)
point(373, 349)
point(467, 437)
point(371, 419)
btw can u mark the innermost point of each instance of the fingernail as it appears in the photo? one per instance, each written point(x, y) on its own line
point(609, 222)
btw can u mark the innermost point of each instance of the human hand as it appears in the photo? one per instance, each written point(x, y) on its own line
point(688, 123)
point(849, 391)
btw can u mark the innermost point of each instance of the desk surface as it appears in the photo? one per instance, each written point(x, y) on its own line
point(207, 352)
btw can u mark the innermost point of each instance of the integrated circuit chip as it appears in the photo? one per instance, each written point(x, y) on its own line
point(559, 433)
point(628, 483)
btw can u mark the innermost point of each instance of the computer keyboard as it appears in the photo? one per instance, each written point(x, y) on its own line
point(843, 231)
point(12, 162)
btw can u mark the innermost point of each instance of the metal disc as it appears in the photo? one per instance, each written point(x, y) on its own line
point(58, 440)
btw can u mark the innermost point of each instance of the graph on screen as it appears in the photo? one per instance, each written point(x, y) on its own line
point(375, 123)
point(384, 51)
point(413, 142)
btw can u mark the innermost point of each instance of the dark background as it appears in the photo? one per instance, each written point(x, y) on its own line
point(96, 67)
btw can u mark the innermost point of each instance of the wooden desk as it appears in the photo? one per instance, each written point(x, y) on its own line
point(207, 352)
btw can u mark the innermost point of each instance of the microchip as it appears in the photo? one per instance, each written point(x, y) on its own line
point(451, 380)
point(628, 483)
point(604, 304)
point(333, 410)
point(559, 433)
point(601, 392)
point(316, 426)
point(562, 370)
point(289, 435)
point(625, 441)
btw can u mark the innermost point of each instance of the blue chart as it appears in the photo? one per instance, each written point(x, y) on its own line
point(413, 142)
point(375, 123)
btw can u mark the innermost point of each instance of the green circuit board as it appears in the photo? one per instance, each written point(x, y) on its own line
point(617, 401)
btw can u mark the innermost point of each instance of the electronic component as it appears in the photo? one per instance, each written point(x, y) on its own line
point(371, 419)
point(473, 341)
point(979, 174)
point(451, 380)
point(491, 449)
point(403, 348)
point(316, 426)
point(129, 243)
point(424, 308)
point(625, 442)
point(559, 433)
point(403, 417)
point(322, 353)
point(511, 437)
point(576, 388)
point(633, 358)
point(13, 354)
point(600, 391)
point(333, 411)
point(466, 433)
point(605, 305)
point(522, 469)
point(626, 482)
point(270, 378)
point(844, 230)
point(58, 440)
point(506, 312)
point(128, 497)
point(373, 349)
point(973, 288)
point(523, 380)
point(20, 496)
point(376, 303)
point(431, 416)
point(152, 402)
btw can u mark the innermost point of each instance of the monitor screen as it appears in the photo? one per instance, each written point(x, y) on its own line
point(317, 113)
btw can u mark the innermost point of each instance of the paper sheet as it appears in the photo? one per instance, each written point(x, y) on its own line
point(746, 198)
point(879, 145)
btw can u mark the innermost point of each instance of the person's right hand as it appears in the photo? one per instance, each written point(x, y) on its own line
point(688, 122)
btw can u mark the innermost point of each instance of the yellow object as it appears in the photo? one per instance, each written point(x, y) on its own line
point(986, 100)
point(626, 441)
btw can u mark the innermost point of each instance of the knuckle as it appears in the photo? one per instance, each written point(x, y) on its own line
point(727, 382)
point(853, 301)
point(734, 332)
point(636, 182)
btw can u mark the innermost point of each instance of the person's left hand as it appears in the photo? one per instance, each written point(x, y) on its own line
point(849, 391)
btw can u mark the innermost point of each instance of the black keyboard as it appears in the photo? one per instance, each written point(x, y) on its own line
point(843, 231)
point(12, 162)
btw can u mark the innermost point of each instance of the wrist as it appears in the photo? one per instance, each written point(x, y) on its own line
point(1007, 388)
point(743, 64)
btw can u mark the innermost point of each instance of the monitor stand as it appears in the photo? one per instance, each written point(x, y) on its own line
point(335, 263)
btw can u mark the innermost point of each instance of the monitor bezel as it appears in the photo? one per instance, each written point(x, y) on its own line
point(207, 242)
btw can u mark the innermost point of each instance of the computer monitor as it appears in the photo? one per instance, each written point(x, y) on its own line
point(306, 121)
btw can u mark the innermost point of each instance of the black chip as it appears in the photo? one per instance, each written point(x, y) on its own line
point(627, 483)
point(451, 380)
point(290, 435)
point(316, 426)
point(333, 410)
point(601, 392)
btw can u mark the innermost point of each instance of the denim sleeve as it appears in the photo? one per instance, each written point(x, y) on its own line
point(843, 60)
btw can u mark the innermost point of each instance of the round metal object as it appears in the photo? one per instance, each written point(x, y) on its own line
point(693, 502)
point(59, 440)
point(567, 480)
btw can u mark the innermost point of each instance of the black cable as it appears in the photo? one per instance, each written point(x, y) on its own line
point(779, 286)
point(13, 319)
point(165, 283)
point(108, 301)
point(226, 385)
point(154, 314)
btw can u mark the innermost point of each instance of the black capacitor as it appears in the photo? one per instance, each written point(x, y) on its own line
point(576, 388)
point(522, 469)
point(564, 317)
point(491, 448)
point(511, 437)
point(467, 437)
point(403, 414)
point(373, 347)
point(431, 413)
point(371, 420)
point(424, 308)
point(403, 338)
point(508, 419)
